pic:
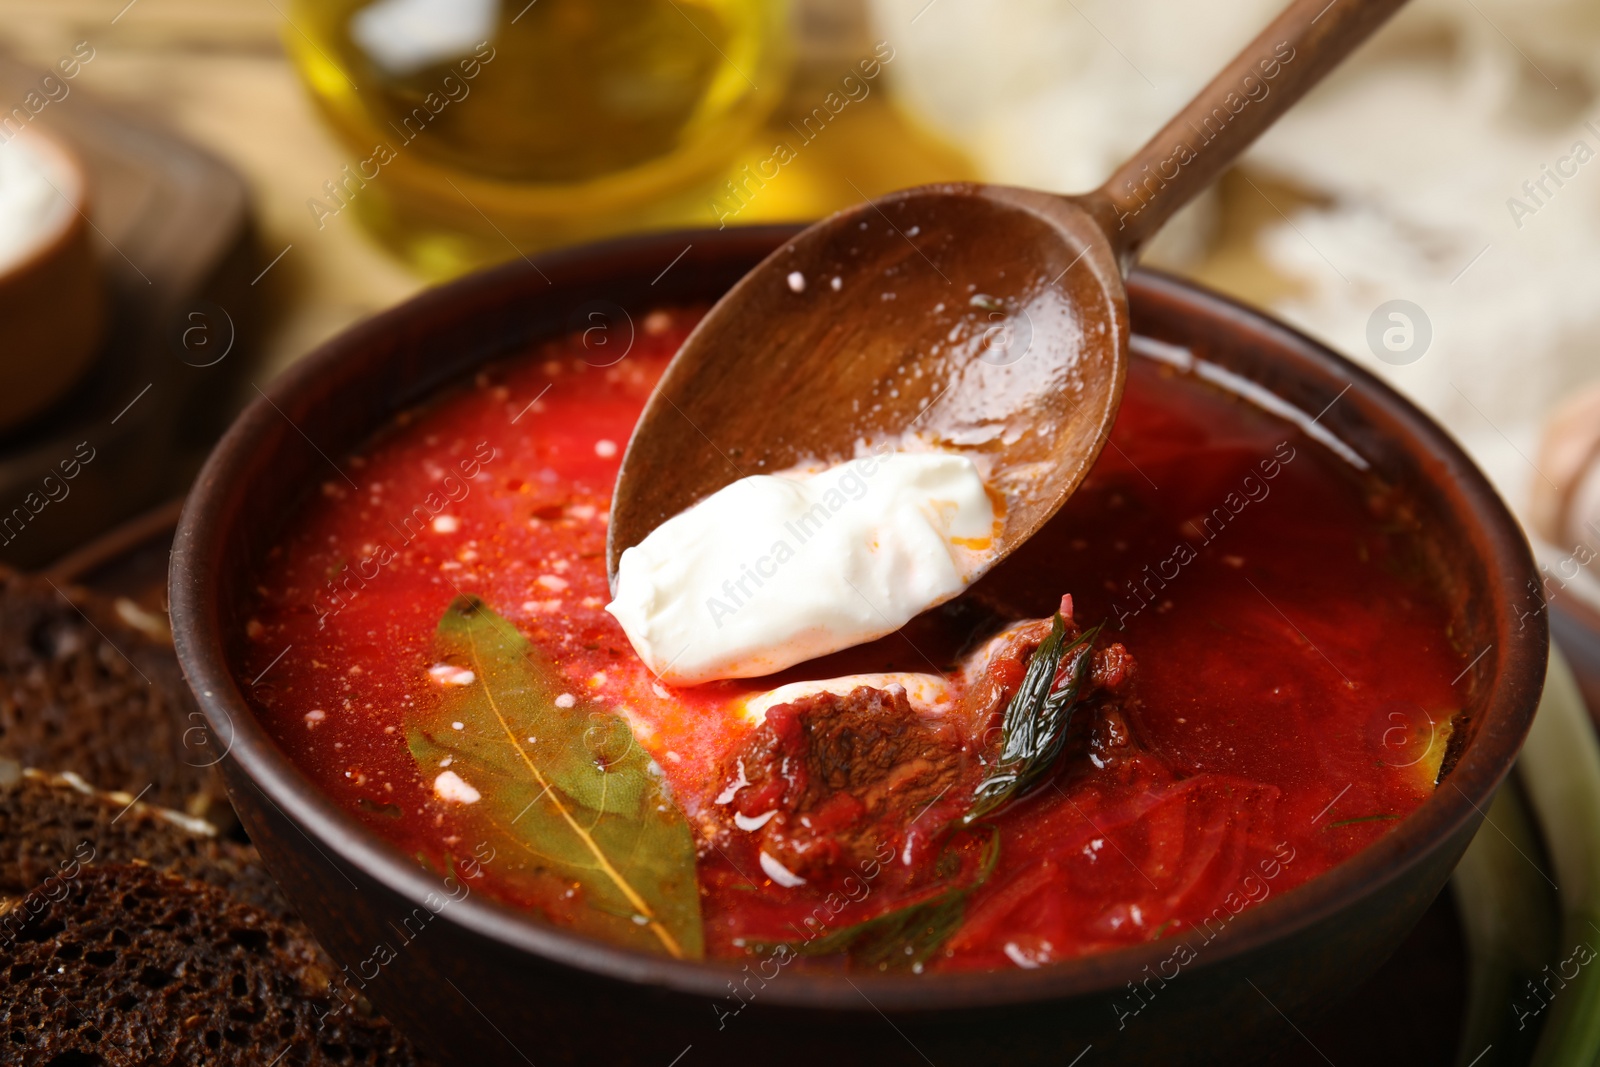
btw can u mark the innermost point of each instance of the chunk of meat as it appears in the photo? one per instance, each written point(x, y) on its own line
point(1006, 661)
point(1110, 669)
point(831, 780)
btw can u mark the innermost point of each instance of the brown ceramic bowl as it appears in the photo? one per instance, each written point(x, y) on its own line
point(478, 983)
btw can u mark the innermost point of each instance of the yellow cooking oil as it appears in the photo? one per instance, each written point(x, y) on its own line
point(477, 130)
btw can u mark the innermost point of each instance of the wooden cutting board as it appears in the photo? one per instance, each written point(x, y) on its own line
point(171, 225)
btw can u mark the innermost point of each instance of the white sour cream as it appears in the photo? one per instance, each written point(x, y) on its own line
point(31, 211)
point(774, 570)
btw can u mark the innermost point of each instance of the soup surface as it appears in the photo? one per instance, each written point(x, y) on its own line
point(1269, 690)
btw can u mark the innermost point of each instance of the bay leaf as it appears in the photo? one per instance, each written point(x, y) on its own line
point(566, 794)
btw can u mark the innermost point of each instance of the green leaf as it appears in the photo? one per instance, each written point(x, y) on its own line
point(1034, 727)
point(565, 794)
point(907, 936)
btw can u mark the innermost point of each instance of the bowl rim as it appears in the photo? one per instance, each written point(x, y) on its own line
point(1504, 719)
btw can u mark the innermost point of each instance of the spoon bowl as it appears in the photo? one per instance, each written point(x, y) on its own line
point(981, 320)
point(984, 320)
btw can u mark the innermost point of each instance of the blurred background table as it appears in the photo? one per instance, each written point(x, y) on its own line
point(216, 71)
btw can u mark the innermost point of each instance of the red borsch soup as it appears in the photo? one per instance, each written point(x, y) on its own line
point(1218, 672)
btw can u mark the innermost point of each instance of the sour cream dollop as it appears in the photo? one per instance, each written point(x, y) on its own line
point(31, 210)
point(773, 570)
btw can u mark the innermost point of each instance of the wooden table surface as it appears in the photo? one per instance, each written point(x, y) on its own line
point(216, 70)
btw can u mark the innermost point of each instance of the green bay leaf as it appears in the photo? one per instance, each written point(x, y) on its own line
point(566, 795)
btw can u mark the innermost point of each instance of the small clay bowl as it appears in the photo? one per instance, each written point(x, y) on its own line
point(52, 301)
point(478, 983)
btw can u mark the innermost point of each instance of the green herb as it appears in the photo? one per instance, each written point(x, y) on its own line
point(1034, 727)
point(388, 811)
point(1361, 818)
point(565, 789)
point(908, 936)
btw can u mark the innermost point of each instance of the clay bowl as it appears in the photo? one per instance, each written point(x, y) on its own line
point(477, 983)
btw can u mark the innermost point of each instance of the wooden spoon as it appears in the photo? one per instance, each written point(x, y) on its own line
point(984, 319)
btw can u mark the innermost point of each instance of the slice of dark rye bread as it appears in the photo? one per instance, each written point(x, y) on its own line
point(128, 966)
point(54, 826)
point(83, 690)
point(48, 822)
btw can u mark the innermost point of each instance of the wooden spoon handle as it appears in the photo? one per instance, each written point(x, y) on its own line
point(1274, 71)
